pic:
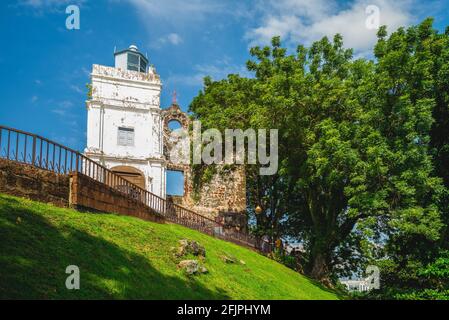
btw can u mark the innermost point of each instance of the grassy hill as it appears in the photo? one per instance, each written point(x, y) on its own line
point(124, 257)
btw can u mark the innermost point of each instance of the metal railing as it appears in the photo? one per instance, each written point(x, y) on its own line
point(27, 148)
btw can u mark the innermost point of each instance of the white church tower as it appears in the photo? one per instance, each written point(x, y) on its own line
point(124, 126)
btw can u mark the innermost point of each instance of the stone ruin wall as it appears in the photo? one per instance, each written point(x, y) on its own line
point(223, 197)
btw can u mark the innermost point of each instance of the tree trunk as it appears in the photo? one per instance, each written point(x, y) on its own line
point(319, 268)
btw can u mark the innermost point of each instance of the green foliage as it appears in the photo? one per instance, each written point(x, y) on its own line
point(412, 64)
point(415, 281)
point(438, 270)
point(360, 145)
point(123, 257)
point(285, 259)
point(426, 294)
point(201, 174)
point(89, 91)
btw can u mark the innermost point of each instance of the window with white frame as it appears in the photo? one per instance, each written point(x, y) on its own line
point(125, 136)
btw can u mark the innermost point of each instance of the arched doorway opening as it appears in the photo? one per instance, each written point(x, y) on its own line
point(175, 183)
point(131, 174)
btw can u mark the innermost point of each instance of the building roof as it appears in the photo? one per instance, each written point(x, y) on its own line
point(132, 48)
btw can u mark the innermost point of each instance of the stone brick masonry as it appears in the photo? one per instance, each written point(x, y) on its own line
point(87, 193)
point(223, 198)
point(26, 181)
point(75, 190)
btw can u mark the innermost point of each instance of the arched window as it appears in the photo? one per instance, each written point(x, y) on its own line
point(174, 124)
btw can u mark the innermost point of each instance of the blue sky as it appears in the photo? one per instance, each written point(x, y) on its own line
point(45, 67)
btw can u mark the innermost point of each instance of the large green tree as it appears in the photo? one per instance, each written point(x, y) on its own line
point(355, 171)
point(413, 69)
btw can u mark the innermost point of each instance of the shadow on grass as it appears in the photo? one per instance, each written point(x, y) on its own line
point(34, 256)
point(340, 295)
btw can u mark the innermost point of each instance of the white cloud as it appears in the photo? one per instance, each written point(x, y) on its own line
point(77, 89)
point(64, 109)
point(72, 140)
point(177, 10)
point(302, 21)
point(85, 71)
point(59, 112)
point(171, 38)
point(174, 38)
point(48, 4)
point(39, 3)
point(217, 71)
point(168, 22)
point(42, 7)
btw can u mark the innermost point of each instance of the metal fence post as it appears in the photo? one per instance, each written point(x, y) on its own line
point(77, 162)
point(7, 151)
point(33, 155)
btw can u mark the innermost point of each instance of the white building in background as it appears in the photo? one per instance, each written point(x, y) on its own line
point(361, 285)
point(124, 126)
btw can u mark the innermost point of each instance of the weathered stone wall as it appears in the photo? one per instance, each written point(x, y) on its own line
point(223, 194)
point(77, 190)
point(223, 197)
point(87, 193)
point(26, 181)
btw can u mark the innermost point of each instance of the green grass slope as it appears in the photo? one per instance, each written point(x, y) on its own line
point(124, 257)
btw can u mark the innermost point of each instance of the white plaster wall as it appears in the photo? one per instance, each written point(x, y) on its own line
point(126, 91)
point(121, 61)
point(124, 87)
point(122, 98)
point(102, 131)
point(93, 127)
point(142, 124)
